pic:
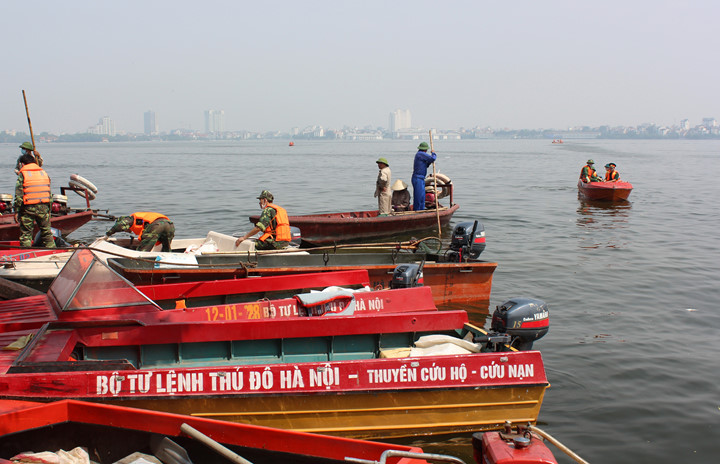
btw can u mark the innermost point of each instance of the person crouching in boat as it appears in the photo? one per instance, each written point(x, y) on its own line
point(151, 227)
point(611, 175)
point(400, 196)
point(273, 222)
point(382, 187)
point(588, 174)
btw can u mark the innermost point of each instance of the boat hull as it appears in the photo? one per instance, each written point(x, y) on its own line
point(380, 398)
point(370, 415)
point(451, 283)
point(326, 229)
point(605, 191)
point(10, 230)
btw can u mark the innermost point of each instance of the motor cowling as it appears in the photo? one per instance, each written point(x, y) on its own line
point(523, 319)
point(407, 275)
point(467, 242)
point(295, 236)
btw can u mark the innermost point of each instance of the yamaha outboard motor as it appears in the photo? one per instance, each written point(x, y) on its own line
point(468, 241)
point(295, 236)
point(518, 322)
point(407, 275)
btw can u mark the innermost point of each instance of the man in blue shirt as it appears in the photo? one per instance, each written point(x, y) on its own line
point(422, 161)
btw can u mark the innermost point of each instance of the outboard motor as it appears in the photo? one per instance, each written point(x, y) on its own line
point(468, 241)
point(407, 275)
point(295, 236)
point(518, 322)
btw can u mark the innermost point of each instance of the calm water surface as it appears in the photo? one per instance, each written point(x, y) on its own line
point(633, 352)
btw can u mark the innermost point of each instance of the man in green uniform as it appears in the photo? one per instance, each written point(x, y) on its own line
point(274, 222)
point(149, 226)
point(32, 199)
point(588, 173)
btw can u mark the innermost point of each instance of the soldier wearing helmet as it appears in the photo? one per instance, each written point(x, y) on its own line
point(32, 199)
point(588, 174)
point(273, 223)
point(611, 175)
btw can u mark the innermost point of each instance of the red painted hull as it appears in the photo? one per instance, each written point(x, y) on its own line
point(12, 251)
point(326, 229)
point(605, 191)
point(112, 432)
point(9, 229)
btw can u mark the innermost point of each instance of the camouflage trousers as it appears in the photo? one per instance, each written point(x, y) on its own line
point(159, 231)
point(29, 216)
point(270, 244)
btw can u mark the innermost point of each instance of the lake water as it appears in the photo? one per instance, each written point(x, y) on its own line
point(633, 352)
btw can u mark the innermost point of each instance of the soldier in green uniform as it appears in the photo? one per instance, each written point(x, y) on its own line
point(32, 199)
point(273, 222)
point(149, 226)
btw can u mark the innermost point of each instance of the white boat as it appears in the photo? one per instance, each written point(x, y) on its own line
point(39, 272)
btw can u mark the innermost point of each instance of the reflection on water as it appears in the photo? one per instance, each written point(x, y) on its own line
point(601, 223)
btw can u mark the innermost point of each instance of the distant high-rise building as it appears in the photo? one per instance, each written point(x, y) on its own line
point(105, 126)
point(214, 121)
point(151, 127)
point(399, 120)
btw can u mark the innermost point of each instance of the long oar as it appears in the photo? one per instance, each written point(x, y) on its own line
point(38, 158)
point(437, 210)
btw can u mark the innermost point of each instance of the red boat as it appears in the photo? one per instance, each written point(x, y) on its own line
point(87, 291)
point(605, 191)
point(66, 223)
point(12, 251)
point(329, 228)
point(112, 433)
point(389, 365)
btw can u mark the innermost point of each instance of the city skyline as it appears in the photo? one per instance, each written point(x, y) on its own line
point(553, 64)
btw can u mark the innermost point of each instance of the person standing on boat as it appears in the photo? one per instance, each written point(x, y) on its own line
point(611, 175)
point(150, 227)
point(273, 222)
point(382, 187)
point(400, 197)
point(32, 200)
point(588, 174)
point(420, 166)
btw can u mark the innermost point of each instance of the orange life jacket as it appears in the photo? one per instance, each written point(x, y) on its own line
point(281, 231)
point(590, 172)
point(142, 219)
point(36, 185)
point(614, 175)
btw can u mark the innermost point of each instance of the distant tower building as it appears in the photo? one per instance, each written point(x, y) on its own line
point(214, 121)
point(399, 120)
point(151, 127)
point(105, 126)
point(684, 124)
point(709, 122)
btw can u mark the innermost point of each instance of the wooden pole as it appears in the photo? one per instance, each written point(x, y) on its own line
point(38, 158)
point(437, 210)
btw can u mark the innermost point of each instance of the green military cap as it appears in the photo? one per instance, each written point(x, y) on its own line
point(266, 195)
point(27, 146)
point(383, 161)
point(590, 161)
point(423, 146)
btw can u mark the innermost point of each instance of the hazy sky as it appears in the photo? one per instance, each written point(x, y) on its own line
point(273, 65)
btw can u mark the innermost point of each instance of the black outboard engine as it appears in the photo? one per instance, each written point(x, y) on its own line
point(468, 241)
point(295, 236)
point(518, 322)
point(407, 275)
point(524, 319)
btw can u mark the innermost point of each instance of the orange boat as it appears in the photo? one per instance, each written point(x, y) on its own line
point(605, 191)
